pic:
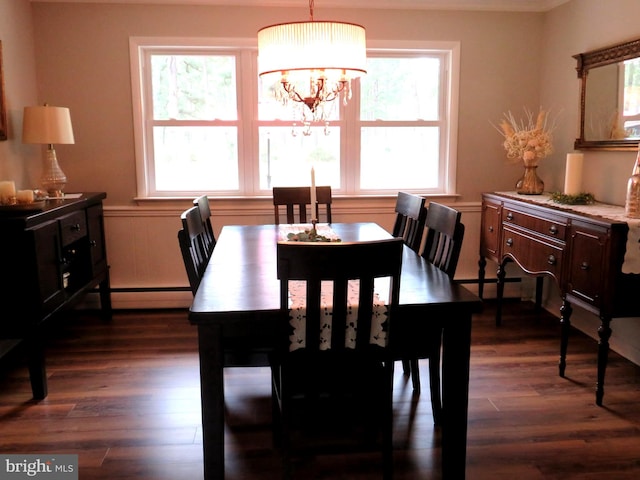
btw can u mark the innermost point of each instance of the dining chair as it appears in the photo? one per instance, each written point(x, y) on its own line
point(442, 246)
point(192, 241)
point(192, 246)
point(202, 202)
point(333, 373)
point(409, 225)
point(410, 218)
point(292, 200)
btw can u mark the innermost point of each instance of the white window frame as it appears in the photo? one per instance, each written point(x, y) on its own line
point(247, 123)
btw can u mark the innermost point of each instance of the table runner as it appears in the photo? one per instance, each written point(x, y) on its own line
point(298, 314)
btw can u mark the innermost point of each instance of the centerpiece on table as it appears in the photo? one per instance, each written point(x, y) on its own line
point(528, 140)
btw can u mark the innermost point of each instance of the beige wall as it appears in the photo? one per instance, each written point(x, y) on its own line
point(16, 34)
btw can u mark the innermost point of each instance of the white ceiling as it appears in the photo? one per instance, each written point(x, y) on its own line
point(491, 5)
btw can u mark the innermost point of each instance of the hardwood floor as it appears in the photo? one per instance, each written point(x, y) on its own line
point(125, 397)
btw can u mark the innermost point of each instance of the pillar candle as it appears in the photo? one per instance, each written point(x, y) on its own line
point(573, 174)
point(7, 192)
point(314, 203)
point(24, 196)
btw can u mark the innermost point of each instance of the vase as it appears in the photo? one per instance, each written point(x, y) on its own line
point(530, 183)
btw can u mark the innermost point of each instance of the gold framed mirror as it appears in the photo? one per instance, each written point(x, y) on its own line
point(609, 97)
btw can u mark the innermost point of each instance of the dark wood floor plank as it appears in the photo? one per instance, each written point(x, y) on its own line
point(125, 396)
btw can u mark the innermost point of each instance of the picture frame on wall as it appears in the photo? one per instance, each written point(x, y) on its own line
point(3, 104)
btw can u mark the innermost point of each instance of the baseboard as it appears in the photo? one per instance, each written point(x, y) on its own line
point(132, 299)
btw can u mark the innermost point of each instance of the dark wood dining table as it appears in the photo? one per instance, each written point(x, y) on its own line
point(236, 309)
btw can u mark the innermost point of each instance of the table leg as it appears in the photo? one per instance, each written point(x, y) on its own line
point(456, 347)
point(212, 398)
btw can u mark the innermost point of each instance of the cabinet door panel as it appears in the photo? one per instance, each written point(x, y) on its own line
point(95, 220)
point(490, 230)
point(585, 278)
point(46, 241)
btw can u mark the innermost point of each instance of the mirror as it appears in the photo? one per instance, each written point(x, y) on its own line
point(610, 97)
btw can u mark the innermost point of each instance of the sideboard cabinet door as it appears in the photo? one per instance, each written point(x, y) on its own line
point(586, 273)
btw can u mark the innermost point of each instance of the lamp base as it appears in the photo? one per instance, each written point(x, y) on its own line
point(53, 178)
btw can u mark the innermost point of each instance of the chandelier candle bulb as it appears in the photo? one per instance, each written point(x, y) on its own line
point(573, 174)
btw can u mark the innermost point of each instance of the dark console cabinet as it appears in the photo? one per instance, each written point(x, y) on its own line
point(49, 260)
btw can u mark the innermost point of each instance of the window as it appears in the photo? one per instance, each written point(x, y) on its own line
point(206, 123)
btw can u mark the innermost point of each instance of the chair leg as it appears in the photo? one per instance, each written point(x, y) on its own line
point(415, 375)
point(434, 380)
point(406, 368)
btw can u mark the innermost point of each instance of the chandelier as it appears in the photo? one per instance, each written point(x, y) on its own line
point(316, 61)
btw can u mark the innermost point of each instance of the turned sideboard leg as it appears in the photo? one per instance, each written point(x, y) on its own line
point(482, 263)
point(501, 273)
point(565, 326)
point(604, 332)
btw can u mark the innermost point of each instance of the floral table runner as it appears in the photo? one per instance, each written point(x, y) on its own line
point(298, 314)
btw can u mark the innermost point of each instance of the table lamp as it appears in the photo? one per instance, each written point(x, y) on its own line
point(49, 125)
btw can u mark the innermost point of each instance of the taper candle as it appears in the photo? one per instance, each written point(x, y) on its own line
point(314, 203)
point(573, 174)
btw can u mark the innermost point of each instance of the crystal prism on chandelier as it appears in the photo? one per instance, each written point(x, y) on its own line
point(316, 61)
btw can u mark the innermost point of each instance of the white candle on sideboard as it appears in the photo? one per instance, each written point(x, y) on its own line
point(314, 212)
point(24, 196)
point(573, 174)
point(7, 192)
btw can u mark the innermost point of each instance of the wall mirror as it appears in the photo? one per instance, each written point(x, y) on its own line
point(610, 97)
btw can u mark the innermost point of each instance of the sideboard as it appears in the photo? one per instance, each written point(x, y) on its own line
point(579, 247)
point(50, 257)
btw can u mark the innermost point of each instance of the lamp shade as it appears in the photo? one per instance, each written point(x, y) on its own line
point(47, 124)
point(334, 47)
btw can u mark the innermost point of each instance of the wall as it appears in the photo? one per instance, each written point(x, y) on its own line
point(575, 27)
point(16, 34)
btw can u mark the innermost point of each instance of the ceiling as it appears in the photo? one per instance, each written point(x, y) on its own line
point(490, 5)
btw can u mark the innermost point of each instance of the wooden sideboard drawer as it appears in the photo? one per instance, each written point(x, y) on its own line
point(533, 254)
point(545, 226)
point(73, 227)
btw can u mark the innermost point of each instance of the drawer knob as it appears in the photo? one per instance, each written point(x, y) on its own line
point(553, 230)
point(75, 228)
point(509, 242)
point(491, 228)
point(552, 260)
point(509, 216)
point(93, 244)
point(584, 266)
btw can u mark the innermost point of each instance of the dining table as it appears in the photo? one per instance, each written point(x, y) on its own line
point(237, 306)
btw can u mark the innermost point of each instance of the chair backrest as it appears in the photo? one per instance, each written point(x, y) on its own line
point(410, 219)
point(202, 203)
point(294, 200)
point(333, 266)
point(445, 233)
point(192, 246)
